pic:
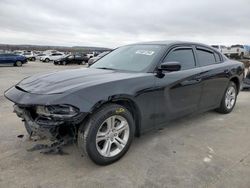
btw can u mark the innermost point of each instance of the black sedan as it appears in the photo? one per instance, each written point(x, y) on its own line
point(132, 90)
point(72, 59)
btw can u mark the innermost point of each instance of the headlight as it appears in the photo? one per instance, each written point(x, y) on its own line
point(60, 111)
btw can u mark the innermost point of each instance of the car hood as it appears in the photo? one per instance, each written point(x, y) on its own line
point(63, 81)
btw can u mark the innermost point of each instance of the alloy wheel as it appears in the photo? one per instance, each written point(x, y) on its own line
point(230, 97)
point(19, 63)
point(112, 136)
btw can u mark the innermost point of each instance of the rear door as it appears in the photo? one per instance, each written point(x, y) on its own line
point(179, 92)
point(214, 77)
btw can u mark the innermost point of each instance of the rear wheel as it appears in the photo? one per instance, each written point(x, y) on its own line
point(33, 59)
point(64, 63)
point(47, 60)
point(229, 99)
point(107, 135)
point(18, 63)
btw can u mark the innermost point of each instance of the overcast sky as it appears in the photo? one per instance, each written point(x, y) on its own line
point(111, 23)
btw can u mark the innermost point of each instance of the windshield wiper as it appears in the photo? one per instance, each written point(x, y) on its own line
point(105, 68)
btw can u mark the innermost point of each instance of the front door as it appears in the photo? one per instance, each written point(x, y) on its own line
point(179, 92)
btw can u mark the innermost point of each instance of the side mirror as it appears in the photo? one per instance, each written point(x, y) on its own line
point(170, 66)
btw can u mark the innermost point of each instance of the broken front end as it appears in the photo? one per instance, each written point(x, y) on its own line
point(53, 122)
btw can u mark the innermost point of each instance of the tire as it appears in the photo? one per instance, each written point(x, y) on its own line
point(64, 63)
point(242, 56)
point(87, 134)
point(47, 60)
point(18, 64)
point(33, 59)
point(228, 101)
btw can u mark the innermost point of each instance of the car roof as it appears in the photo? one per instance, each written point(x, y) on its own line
point(172, 42)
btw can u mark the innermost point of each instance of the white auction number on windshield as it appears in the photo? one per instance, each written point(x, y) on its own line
point(145, 52)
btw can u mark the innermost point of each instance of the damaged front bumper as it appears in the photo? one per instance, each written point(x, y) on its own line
point(49, 127)
point(49, 115)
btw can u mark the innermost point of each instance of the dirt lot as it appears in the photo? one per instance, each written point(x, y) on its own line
point(205, 150)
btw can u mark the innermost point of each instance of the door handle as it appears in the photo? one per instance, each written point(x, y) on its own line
point(191, 82)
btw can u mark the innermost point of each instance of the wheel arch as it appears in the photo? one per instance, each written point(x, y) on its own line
point(127, 103)
point(237, 83)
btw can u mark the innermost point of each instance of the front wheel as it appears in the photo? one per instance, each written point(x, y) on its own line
point(107, 135)
point(229, 99)
point(18, 63)
point(47, 60)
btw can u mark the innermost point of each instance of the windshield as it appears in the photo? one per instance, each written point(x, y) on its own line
point(102, 54)
point(135, 58)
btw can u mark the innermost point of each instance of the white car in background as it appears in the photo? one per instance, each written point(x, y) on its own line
point(239, 51)
point(235, 51)
point(52, 57)
point(29, 55)
point(92, 54)
point(220, 48)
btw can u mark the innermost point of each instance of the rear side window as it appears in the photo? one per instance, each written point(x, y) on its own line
point(205, 57)
point(183, 55)
point(217, 57)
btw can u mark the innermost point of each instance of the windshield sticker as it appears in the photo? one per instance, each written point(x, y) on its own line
point(145, 52)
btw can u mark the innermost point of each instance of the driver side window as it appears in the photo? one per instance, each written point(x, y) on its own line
point(185, 56)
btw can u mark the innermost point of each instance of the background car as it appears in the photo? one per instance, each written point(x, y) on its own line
point(92, 54)
point(12, 59)
point(92, 60)
point(52, 57)
point(29, 55)
point(237, 51)
point(71, 59)
point(39, 56)
point(220, 48)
